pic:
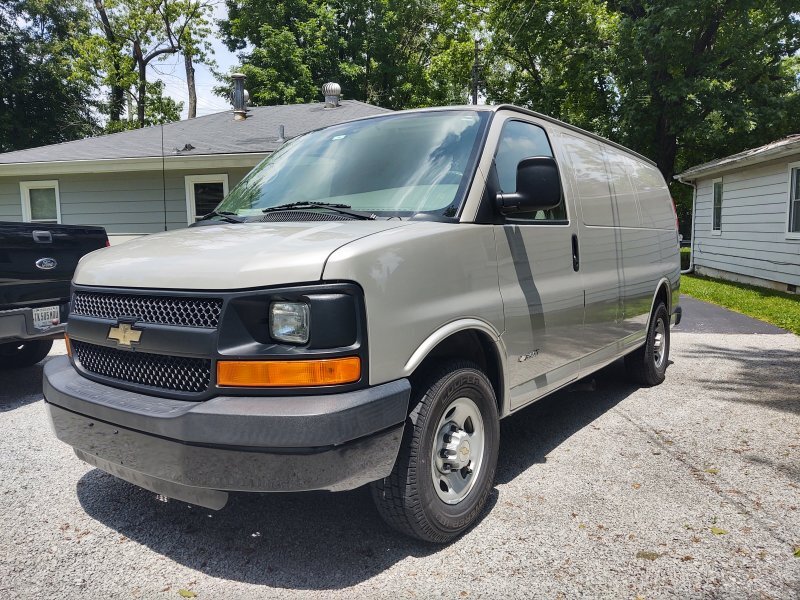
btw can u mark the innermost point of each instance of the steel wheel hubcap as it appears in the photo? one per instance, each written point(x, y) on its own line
point(660, 343)
point(457, 451)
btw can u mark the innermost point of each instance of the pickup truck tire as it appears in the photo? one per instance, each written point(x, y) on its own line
point(450, 442)
point(648, 365)
point(14, 355)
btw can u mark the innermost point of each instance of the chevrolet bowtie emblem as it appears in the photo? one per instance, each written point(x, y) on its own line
point(124, 334)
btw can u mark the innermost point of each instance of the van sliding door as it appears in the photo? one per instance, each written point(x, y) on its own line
point(601, 248)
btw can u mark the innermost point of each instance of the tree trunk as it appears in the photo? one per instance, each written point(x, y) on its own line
point(117, 98)
point(666, 147)
point(187, 61)
point(141, 94)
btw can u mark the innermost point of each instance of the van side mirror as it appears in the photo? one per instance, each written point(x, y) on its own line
point(538, 187)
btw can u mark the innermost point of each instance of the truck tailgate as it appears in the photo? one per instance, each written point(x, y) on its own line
point(37, 261)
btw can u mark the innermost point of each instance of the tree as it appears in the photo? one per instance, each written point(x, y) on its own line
point(393, 53)
point(39, 103)
point(294, 47)
point(681, 81)
point(705, 78)
point(160, 109)
point(196, 47)
point(129, 36)
point(555, 57)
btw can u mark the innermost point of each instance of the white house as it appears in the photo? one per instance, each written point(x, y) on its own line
point(746, 215)
point(156, 178)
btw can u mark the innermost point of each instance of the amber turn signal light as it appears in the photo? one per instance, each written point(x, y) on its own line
point(288, 373)
point(68, 345)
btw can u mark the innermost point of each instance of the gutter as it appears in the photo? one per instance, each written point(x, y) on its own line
point(693, 185)
point(148, 163)
point(759, 155)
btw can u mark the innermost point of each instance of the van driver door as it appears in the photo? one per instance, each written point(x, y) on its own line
point(540, 281)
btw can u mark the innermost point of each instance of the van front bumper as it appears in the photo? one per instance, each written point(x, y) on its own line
point(199, 451)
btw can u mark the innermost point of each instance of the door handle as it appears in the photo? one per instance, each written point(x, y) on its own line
point(576, 259)
point(42, 237)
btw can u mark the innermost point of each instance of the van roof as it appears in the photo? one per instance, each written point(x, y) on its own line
point(525, 111)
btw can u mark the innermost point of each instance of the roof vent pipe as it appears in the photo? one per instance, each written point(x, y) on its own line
point(333, 93)
point(239, 97)
point(281, 134)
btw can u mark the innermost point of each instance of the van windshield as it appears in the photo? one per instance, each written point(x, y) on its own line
point(397, 165)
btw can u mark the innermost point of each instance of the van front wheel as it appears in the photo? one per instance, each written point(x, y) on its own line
point(445, 469)
point(648, 364)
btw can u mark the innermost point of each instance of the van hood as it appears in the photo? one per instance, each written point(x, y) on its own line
point(226, 256)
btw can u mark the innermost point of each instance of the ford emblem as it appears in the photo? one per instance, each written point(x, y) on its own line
point(45, 264)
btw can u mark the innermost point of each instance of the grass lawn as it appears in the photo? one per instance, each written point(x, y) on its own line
point(779, 308)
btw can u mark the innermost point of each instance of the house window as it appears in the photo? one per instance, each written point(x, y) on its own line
point(716, 219)
point(794, 200)
point(204, 193)
point(40, 201)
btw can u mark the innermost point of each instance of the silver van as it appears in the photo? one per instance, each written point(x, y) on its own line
point(364, 307)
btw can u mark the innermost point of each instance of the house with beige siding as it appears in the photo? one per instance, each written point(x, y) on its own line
point(157, 178)
point(746, 216)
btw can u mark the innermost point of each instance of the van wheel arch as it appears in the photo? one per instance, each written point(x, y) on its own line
point(471, 345)
point(662, 294)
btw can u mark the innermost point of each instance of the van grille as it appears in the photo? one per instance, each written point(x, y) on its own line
point(174, 373)
point(161, 310)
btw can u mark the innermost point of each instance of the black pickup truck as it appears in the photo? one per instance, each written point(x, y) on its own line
point(37, 262)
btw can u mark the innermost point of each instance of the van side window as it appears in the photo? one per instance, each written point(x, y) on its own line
point(591, 181)
point(619, 170)
point(520, 140)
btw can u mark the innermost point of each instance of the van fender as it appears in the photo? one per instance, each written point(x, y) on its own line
point(453, 327)
point(662, 281)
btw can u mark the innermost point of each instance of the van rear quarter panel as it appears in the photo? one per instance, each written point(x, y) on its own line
point(416, 280)
point(649, 245)
point(649, 263)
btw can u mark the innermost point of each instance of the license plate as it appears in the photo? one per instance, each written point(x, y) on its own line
point(46, 317)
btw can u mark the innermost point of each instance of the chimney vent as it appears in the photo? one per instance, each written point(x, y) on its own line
point(332, 92)
point(239, 97)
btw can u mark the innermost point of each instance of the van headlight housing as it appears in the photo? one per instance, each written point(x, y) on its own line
point(289, 322)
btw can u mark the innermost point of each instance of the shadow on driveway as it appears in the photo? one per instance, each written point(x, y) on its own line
point(528, 436)
point(319, 540)
point(19, 387)
point(764, 377)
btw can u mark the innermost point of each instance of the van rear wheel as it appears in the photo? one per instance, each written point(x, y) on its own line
point(445, 469)
point(648, 365)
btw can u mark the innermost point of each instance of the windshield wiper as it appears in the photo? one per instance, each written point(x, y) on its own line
point(224, 215)
point(339, 208)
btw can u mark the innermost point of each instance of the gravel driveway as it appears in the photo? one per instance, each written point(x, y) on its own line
point(688, 489)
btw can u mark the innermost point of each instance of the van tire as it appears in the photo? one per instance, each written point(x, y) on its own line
point(407, 499)
point(642, 365)
point(14, 355)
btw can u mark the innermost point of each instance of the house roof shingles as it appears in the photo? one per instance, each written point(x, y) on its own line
point(217, 133)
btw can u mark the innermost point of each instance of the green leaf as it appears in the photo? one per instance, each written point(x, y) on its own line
point(712, 471)
point(718, 531)
point(797, 551)
point(647, 555)
point(187, 593)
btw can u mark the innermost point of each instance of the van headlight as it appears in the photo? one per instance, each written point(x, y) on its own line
point(289, 322)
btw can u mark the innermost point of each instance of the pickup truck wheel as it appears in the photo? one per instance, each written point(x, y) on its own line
point(445, 469)
point(648, 364)
point(14, 355)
